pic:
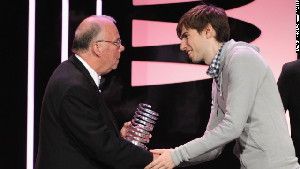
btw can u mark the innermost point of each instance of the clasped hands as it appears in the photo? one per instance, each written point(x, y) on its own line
point(161, 159)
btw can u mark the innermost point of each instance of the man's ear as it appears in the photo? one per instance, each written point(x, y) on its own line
point(97, 48)
point(210, 31)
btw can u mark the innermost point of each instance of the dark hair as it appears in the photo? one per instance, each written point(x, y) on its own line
point(82, 40)
point(201, 15)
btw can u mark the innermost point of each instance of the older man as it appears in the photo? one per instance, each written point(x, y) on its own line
point(77, 130)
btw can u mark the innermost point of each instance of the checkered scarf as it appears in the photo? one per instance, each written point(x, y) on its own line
point(214, 68)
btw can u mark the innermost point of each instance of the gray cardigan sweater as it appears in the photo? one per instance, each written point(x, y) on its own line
point(248, 109)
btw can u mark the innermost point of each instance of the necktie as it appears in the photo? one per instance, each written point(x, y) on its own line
point(101, 83)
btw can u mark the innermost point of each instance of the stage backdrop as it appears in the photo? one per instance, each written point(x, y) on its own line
point(152, 69)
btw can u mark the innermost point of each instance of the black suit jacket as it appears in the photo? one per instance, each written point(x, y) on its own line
point(77, 130)
point(289, 88)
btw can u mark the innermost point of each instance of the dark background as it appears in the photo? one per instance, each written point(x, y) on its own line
point(183, 108)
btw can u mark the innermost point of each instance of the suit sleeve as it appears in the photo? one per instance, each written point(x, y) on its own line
point(282, 87)
point(89, 133)
point(246, 71)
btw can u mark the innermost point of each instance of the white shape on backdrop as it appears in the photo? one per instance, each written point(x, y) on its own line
point(30, 86)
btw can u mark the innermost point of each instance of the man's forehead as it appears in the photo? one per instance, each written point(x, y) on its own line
point(184, 31)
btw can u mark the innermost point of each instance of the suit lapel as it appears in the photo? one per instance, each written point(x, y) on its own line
point(109, 118)
point(86, 73)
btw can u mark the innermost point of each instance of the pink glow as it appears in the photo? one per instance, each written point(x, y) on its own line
point(64, 30)
point(153, 33)
point(277, 22)
point(157, 73)
point(30, 86)
point(153, 2)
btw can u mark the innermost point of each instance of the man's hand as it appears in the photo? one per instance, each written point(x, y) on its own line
point(124, 129)
point(155, 155)
point(163, 161)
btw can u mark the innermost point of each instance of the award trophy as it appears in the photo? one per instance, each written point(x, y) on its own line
point(142, 124)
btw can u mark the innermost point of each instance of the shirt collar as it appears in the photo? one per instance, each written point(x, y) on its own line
point(214, 67)
point(92, 72)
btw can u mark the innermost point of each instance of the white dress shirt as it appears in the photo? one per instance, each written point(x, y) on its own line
point(92, 72)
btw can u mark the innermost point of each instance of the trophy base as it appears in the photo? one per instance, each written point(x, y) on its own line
point(136, 143)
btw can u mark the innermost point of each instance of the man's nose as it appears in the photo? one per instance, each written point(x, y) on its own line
point(122, 48)
point(182, 46)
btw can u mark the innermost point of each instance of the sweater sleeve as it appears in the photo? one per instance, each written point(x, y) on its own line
point(245, 72)
point(211, 155)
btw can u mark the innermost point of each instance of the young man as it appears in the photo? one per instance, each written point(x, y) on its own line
point(77, 130)
point(246, 103)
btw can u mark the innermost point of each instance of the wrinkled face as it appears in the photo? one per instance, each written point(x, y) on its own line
point(194, 44)
point(111, 47)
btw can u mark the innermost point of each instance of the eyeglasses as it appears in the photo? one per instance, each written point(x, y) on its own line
point(117, 43)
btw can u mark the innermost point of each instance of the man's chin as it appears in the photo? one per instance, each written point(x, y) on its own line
point(196, 61)
point(116, 66)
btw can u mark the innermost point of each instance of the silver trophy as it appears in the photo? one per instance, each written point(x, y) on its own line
point(142, 124)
